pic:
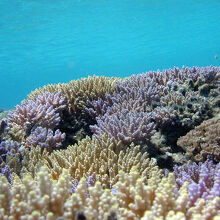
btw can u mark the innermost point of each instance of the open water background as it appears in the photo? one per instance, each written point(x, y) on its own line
point(51, 41)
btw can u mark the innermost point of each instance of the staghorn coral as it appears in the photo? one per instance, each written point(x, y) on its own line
point(33, 200)
point(91, 156)
point(157, 102)
point(11, 155)
point(43, 111)
point(8, 148)
point(203, 141)
point(130, 95)
point(45, 138)
point(31, 124)
point(6, 171)
point(128, 127)
point(77, 92)
point(75, 120)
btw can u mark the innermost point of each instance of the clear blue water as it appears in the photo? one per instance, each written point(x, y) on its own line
point(51, 41)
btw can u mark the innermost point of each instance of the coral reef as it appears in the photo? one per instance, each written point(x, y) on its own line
point(143, 147)
point(170, 103)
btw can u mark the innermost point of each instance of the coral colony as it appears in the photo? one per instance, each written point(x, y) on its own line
point(142, 147)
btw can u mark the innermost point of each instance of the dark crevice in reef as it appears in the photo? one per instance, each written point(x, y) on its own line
point(167, 137)
point(163, 145)
point(171, 134)
point(3, 126)
point(163, 160)
point(80, 216)
point(75, 126)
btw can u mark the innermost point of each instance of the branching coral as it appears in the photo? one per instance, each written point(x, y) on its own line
point(49, 199)
point(45, 138)
point(128, 127)
point(203, 179)
point(43, 111)
point(92, 157)
point(156, 101)
point(33, 200)
point(77, 92)
point(10, 155)
point(75, 120)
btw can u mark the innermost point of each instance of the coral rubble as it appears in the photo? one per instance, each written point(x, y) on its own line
point(142, 147)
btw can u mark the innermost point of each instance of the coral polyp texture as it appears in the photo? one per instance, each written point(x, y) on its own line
point(142, 147)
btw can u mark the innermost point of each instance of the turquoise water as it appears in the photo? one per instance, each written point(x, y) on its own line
point(51, 41)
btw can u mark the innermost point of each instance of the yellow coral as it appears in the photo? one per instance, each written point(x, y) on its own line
point(91, 156)
point(133, 199)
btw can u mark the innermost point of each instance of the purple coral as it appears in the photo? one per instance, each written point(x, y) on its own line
point(125, 126)
point(142, 103)
point(134, 94)
point(90, 182)
point(203, 178)
point(42, 111)
point(34, 121)
point(169, 77)
point(125, 115)
point(6, 171)
point(74, 186)
point(45, 138)
point(162, 116)
point(8, 148)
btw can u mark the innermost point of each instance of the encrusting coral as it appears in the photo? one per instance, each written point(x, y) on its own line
point(143, 147)
point(203, 141)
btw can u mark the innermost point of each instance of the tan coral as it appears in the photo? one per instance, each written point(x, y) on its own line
point(92, 156)
point(158, 199)
point(100, 204)
point(33, 160)
point(42, 198)
point(47, 199)
point(52, 88)
point(133, 195)
point(203, 141)
point(77, 92)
